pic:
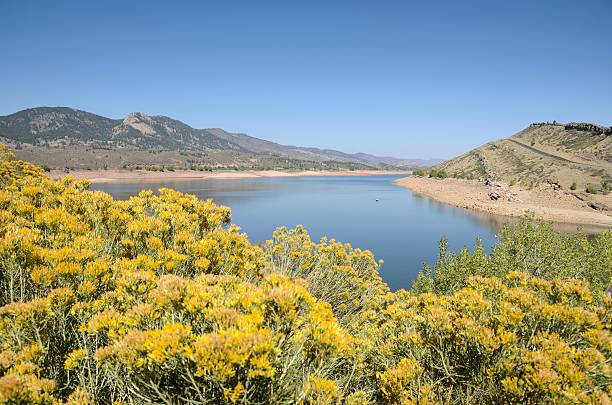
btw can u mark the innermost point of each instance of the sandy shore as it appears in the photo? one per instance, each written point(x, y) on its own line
point(544, 203)
point(106, 176)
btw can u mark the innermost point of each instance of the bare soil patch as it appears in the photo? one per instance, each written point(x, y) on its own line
point(105, 176)
point(543, 202)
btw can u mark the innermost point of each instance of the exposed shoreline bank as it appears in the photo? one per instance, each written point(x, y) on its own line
point(109, 176)
point(544, 203)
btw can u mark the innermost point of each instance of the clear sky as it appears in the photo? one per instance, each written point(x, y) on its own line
point(402, 78)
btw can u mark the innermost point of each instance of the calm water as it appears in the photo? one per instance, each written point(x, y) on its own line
point(402, 228)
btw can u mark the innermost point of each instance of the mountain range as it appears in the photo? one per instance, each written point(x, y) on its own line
point(60, 137)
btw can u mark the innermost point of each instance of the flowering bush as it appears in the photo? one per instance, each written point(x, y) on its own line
point(516, 339)
point(158, 299)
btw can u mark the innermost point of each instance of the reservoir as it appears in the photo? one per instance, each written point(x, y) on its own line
point(369, 212)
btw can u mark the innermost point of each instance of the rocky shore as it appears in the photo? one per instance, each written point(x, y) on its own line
point(548, 202)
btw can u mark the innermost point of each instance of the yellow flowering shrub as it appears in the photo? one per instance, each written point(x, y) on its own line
point(346, 278)
point(159, 299)
point(320, 391)
point(214, 333)
point(517, 339)
point(395, 383)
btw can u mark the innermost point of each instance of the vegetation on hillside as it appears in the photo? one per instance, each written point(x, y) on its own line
point(435, 173)
point(158, 299)
point(569, 155)
point(62, 137)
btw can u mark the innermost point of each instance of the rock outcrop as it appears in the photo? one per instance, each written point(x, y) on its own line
point(489, 174)
point(543, 124)
point(578, 126)
point(500, 191)
point(554, 185)
point(585, 126)
point(140, 122)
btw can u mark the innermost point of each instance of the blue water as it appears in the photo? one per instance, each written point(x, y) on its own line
point(402, 227)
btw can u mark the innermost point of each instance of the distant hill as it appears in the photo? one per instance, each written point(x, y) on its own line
point(543, 152)
point(65, 137)
point(296, 152)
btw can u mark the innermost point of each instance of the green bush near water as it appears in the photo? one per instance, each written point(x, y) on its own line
point(439, 174)
point(435, 173)
point(530, 247)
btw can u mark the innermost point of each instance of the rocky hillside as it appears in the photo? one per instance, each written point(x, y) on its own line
point(553, 153)
point(65, 137)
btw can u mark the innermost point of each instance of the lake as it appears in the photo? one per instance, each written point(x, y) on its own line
point(397, 225)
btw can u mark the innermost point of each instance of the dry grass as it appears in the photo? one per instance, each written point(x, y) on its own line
point(538, 155)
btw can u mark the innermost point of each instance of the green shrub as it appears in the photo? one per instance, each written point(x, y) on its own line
point(573, 186)
point(440, 174)
point(531, 247)
point(591, 189)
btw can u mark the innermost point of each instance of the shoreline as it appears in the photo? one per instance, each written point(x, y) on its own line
point(111, 176)
point(544, 203)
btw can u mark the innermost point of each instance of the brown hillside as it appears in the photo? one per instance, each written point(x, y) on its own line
point(542, 153)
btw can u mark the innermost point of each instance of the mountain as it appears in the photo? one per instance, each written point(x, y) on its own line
point(542, 153)
point(297, 152)
point(56, 126)
point(65, 137)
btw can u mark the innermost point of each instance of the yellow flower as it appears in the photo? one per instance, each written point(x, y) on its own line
point(394, 382)
point(321, 391)
point(74, 358)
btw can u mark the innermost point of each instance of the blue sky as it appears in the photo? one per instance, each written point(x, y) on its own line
point(402, 78)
